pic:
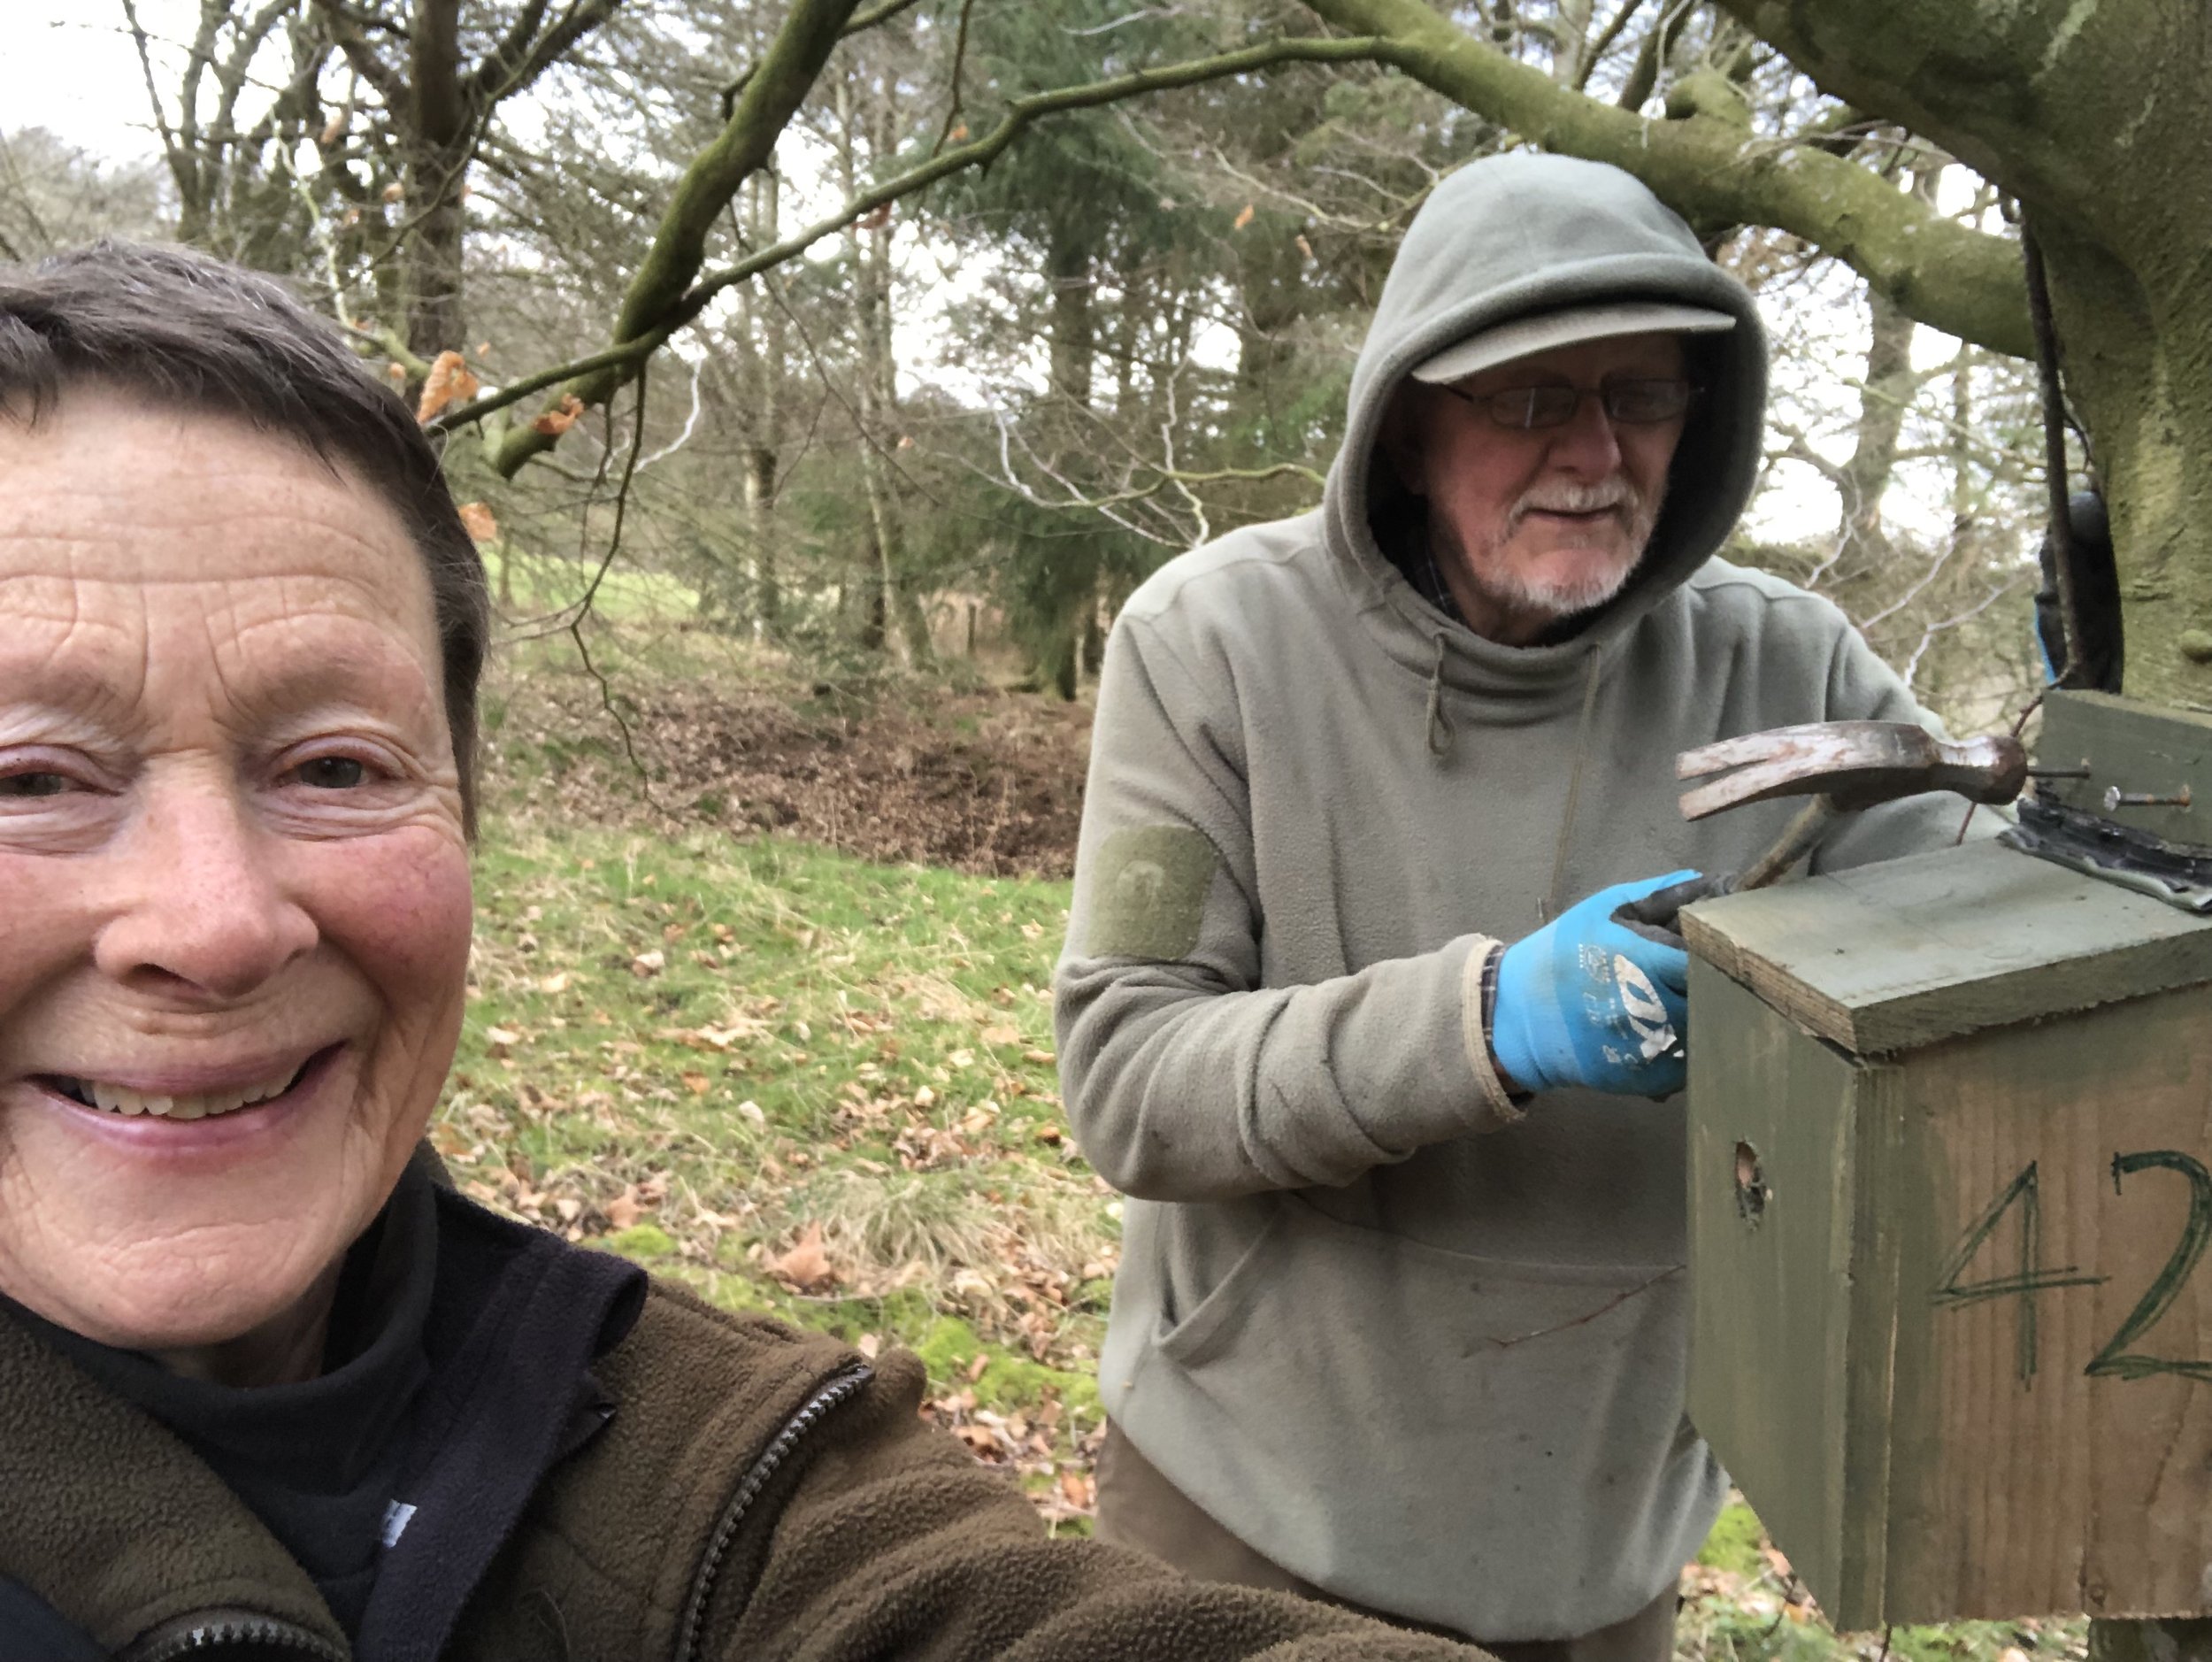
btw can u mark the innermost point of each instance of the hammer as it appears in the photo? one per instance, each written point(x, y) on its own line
point(1844, 767)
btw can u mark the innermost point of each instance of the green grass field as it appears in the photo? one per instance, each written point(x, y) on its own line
point(808, 1085)
point(803, 1084)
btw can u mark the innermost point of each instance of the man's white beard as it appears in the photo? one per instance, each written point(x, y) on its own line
point(1521, 593)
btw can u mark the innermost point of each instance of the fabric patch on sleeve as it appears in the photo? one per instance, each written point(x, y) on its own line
point(1149, 893)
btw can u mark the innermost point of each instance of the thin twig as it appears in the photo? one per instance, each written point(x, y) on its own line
point(959, 62)
point(583, 606)
point(1928, 634)
point(691, 421)
point(1603, 44)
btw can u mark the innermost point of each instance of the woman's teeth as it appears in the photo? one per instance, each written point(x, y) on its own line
point(121, 1100)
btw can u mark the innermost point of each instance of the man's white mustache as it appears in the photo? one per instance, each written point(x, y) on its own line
point(1615, 493)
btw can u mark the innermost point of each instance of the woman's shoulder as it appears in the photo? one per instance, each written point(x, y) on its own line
point(692, 1400)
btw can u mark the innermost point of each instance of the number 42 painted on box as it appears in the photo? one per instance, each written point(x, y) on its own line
point(2031, 1277)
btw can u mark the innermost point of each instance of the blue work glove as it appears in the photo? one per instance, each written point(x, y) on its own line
point(1588, 1001)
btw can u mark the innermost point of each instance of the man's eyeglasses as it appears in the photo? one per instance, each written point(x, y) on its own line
point(1636, 403)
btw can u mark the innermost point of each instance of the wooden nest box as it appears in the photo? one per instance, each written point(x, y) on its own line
point(1950, 1201)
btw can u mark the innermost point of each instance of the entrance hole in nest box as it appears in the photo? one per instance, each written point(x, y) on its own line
point(1751, 1185)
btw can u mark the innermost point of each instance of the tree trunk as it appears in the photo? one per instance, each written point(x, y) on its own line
point(1884, 394)
point(904, 630)
point(438, 141)
point(1068, 265)
point(760, 528)
point(1272, 291)
point(1958, 450)
point(2135, 346)
point(760, 336)
point(2083, 123)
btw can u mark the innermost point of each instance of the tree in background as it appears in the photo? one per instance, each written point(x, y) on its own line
point(1241, 168)
point(53, 197)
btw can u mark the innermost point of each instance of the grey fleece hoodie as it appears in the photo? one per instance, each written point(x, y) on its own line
point(1416, 1344)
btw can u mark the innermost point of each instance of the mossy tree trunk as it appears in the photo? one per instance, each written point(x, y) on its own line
point(2090, 114)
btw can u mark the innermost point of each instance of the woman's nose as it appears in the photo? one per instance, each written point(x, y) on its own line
point(198, 902)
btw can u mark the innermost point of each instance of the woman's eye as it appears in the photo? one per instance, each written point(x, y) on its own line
point(22, 785)
point(332, 773)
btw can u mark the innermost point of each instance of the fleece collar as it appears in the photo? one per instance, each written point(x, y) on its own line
point(123, 1530)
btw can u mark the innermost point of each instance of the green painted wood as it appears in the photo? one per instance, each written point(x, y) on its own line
point(2148, 749)
point(1949, 1395)
point(1770, 1289)
point(1882, 959)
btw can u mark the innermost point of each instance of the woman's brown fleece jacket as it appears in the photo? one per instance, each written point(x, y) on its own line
point(758, 1493)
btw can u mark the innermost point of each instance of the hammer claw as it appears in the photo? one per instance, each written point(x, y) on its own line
point(1856, 764)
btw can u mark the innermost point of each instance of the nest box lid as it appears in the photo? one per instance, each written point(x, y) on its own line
point(1888, 958)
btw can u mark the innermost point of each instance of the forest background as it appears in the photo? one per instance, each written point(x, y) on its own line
point(935, 325)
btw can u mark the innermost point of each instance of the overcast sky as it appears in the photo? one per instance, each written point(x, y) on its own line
point(70, 67)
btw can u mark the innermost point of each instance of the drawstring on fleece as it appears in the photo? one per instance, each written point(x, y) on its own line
point(1441, 730)
point(1574, 786)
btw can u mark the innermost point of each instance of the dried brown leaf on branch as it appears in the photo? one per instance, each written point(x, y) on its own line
point(477, 520)
point(555, 422)
point(450, 381)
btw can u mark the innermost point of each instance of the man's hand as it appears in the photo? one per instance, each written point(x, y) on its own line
point(1587, 1001)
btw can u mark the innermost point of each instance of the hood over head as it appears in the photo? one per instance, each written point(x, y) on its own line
point(1509, 240)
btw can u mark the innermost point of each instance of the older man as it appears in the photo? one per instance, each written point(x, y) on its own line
point(1400, 1314)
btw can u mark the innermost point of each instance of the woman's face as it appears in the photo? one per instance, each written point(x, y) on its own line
point(234, 890)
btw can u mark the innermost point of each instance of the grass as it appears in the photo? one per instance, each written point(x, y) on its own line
point(818, 1088)
point(1742, 1603)
point(802, 1084)
point(538, 586)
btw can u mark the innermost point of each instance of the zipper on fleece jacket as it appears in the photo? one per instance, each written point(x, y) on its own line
point(838, 1388)
point(229, 1636)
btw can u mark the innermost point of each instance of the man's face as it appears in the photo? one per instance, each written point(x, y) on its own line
point(1529, 525)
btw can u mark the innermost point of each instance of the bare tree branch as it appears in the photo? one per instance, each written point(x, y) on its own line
point(595, 378)
point(959, 63)
point(868, 19)
point(803, 45)
point(1964, 281)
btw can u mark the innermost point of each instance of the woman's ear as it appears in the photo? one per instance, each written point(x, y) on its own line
point(1398, 443)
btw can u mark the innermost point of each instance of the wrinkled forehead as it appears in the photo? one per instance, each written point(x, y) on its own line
point(109, 490)
point(136, 534)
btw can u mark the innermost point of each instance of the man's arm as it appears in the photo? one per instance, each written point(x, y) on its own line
point(896, 1542)
point(1184, 1078)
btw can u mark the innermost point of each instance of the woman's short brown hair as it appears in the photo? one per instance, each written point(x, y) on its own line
point(180, 328)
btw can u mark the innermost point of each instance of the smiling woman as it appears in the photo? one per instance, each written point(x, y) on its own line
point(231, 850)
point(270, 1387)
